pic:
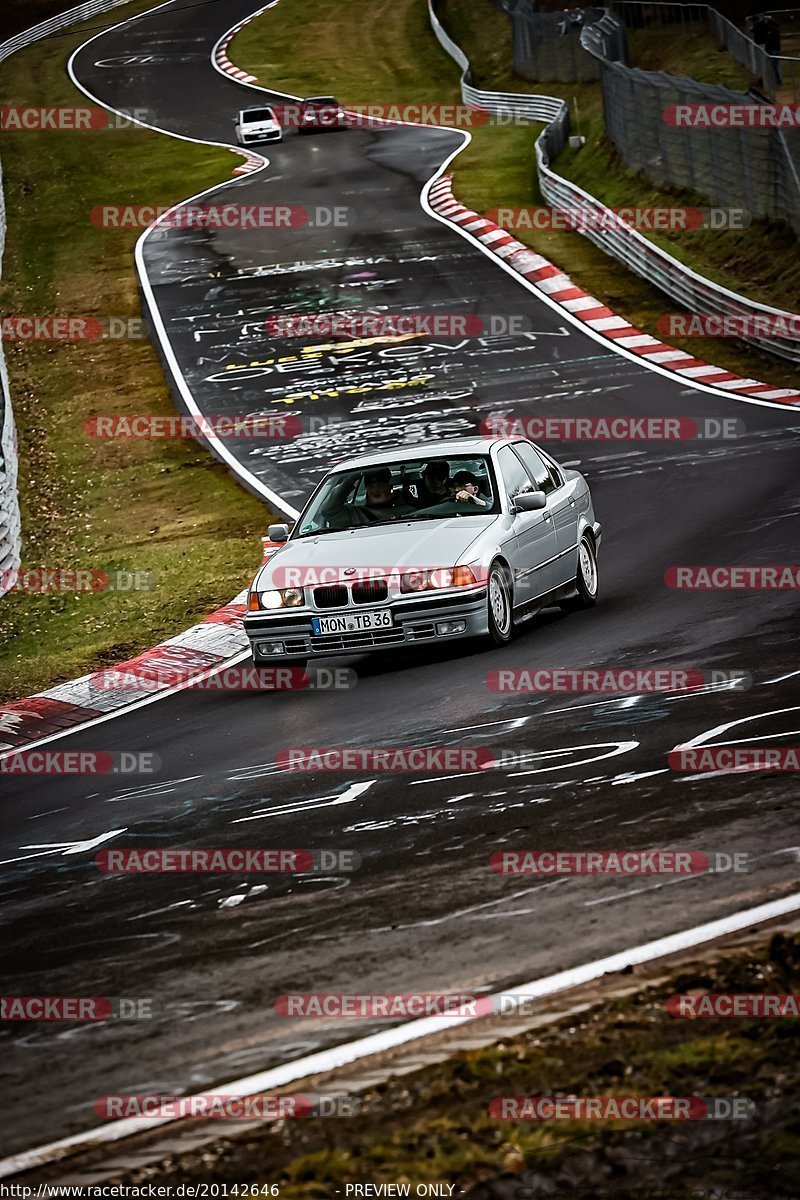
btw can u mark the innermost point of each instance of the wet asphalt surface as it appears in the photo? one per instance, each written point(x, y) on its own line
point(424, 912)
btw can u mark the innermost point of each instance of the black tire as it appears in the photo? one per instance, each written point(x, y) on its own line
point(499, 605)
point(586, 578)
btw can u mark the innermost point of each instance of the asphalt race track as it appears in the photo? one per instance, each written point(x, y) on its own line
point(424, 912)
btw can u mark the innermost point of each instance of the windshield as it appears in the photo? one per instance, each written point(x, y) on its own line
point(320, 101)
point(425, 489)
point(258, 114)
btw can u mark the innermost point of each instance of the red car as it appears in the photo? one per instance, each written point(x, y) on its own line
point(321, 112)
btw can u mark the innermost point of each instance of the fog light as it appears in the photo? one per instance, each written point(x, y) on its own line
point(266, 648)
point(445, 627)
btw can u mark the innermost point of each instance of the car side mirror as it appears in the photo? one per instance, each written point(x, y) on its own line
point(278, 533)
point(529, 502)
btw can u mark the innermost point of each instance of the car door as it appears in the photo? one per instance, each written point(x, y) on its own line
point(561, 505)
point(533, 546)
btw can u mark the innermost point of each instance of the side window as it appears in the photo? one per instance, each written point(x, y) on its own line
point(515, 477)
point(536, 466)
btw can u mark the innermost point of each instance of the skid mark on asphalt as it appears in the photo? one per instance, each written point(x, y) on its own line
point(653, 887)
point(612, 749)
point(458, 913)
point(151, 789)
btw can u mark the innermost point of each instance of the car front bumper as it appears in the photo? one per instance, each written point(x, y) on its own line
point(254, 138)
point(416, 621)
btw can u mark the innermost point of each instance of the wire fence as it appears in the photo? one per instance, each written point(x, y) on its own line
point(10, 525)
point(774, 71)
point(10, 542)
point(612, 235)
point(547, 45)
point(756, 167)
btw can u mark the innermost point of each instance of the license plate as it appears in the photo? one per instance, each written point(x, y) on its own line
point(357, 622)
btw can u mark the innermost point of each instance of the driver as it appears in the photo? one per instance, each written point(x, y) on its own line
point(380, 501)
point(378, 484)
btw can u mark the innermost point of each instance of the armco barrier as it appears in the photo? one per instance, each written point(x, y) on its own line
point(10, 545)
point(10, 536)
point(534, 108)
point(695, 292)
point(71, 17)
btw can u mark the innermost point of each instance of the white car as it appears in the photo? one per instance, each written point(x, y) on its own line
point(257, 125)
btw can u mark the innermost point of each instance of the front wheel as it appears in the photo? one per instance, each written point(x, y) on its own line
point(499, 605)
point(586, 577)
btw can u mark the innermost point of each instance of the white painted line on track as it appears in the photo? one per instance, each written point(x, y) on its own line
point(377, 1043)
point(250, 481)
point(184, 685)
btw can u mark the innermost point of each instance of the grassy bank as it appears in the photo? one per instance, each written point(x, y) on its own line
point(433, 1125)
point(762, 261)
point(156, 505)
point(400, 61)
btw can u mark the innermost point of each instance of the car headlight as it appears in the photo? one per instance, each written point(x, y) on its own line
point(283, 598)
point(439, 577)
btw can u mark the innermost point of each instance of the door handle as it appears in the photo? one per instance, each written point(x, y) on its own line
point(572, 501)
point(546, 516)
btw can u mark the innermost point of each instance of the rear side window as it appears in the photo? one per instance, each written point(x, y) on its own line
point(536, 466)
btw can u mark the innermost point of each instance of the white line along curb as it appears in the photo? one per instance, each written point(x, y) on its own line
point(377, 1043)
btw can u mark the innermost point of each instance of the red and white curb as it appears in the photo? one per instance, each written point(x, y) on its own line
point(220, 55)
point(558, 287)
point(252, 163)
point(213, 642)
point(169, 667)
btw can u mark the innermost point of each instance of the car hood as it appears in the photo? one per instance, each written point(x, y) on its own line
point(443, 543)
point(260, 126)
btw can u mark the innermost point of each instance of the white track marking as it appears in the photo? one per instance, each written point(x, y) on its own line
point(635, 778)
point(425, 203)
point(376, 1043)
point(285, 810)
point(703, 737)
point(48, 848)
point(618, 748)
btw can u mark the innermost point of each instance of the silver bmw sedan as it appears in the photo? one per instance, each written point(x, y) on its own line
point(466, 539)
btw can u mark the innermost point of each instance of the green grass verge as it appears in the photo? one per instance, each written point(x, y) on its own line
point(156, 505)
point(689, 50)
point(399, 61)
point(762, 261)
point(433, 1125)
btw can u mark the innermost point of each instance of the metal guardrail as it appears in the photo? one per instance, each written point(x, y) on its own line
point(614, 237)
point(515, 104)
point(10, 533)
point(10, 525)
point(71, 17)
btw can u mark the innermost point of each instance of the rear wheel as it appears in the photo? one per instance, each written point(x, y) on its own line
point(499, 601)
point(586, 578)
